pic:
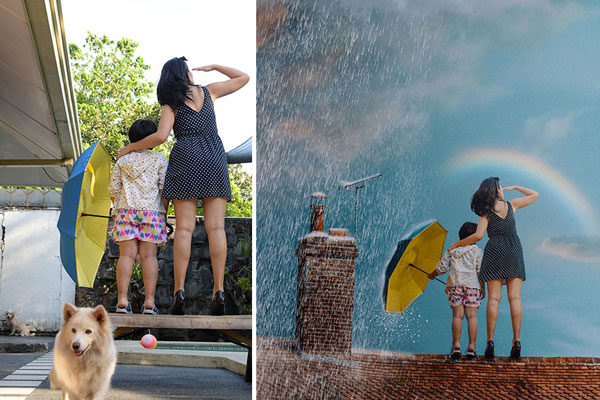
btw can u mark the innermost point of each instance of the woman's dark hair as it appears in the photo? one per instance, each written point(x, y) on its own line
point(485, 197)
point(467, 229)
point(140, 129)
point(174, 83)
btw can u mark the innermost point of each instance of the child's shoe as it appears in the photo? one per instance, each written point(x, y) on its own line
point(124, 310)
point(489, 350)
point(470, 354)
point(515, 352)
point(151, 311)
point(455, 353)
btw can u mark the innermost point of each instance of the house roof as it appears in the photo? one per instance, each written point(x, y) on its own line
point(282, 373)
point(39, 131)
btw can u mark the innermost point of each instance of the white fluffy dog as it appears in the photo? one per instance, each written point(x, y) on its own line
point(85, 355)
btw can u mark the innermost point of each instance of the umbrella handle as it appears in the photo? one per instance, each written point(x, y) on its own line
point(84, 214)
point(414, 266)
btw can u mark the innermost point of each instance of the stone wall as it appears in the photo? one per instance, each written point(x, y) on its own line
point(199, 279)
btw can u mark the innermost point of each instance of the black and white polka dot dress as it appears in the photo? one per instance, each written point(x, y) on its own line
point(197, 164)
point(503, 254)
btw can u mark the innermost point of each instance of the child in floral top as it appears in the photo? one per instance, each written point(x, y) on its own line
point(139, 215)
point(463, 288)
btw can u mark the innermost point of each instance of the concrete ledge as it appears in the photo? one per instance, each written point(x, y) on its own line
point(26, 344)
point(132, 352)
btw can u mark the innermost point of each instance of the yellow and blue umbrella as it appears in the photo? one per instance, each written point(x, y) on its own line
point(415, 257)
point(83, 220)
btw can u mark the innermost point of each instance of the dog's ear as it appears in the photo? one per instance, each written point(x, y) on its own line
point(68, 311)
point(100, 314)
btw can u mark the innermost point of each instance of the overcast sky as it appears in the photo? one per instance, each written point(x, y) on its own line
point(205, 32)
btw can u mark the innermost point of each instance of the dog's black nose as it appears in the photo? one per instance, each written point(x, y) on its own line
point(76, 346)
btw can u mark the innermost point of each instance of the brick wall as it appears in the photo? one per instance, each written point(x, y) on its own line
point(325, 295)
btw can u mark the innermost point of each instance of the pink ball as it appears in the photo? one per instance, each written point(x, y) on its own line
point(149, 341)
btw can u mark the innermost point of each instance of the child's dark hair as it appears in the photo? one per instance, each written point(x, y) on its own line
point(485, 197)
point(467, 229)
point(174, 83)
point(140, 129)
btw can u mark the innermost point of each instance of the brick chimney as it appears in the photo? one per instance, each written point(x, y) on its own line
point(325, 292)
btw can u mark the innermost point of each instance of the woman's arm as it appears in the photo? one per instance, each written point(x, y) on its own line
point(530, 197)
point(219, 89)
point(167, 118)
point(482, 225)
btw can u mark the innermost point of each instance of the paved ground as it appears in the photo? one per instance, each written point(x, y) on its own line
point(130, 382)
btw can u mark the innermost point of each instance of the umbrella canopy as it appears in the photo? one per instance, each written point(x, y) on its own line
point(403, 282)
point(83, 220)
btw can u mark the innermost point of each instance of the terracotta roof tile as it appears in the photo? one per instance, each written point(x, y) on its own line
point(283, 374)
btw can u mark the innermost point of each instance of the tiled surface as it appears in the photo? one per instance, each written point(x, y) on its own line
point(283, 374)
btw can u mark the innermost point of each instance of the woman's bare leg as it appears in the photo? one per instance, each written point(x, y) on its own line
point(494, 294)
point(516, 310)
point(150, 271)
point(458, 313)
point(214, 222)
point(185, 220)
point(127, 254)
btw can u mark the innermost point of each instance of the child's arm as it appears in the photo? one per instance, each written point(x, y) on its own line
point(474, 238)
point(478, 261)
point(162, 172)
point(167, 118)
point(442, 267)
point(115, 185)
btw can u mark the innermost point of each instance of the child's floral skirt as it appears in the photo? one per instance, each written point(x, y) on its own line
point(468, 297)
point(147, 226)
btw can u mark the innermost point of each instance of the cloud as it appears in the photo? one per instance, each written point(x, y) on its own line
point(579, 334)
point(584, 249)
point(549, 129)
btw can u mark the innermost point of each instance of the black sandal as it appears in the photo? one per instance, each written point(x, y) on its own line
point(515, 352)
point(489, 350)
point(178, 307)
point(217, 307)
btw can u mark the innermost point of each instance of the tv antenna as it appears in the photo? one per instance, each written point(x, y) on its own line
point(357, 184)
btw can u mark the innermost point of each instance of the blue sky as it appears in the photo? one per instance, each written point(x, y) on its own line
point(403, 88)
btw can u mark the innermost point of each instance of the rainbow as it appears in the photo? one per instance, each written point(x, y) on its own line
point(532, 167)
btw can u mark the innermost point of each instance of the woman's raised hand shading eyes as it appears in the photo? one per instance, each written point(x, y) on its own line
point(205, 68)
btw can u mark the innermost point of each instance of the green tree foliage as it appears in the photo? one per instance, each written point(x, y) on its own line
point(241, 193)
point(112, 92)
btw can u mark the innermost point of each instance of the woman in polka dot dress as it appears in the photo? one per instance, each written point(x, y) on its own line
point(197, 166)
point(503, 255)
